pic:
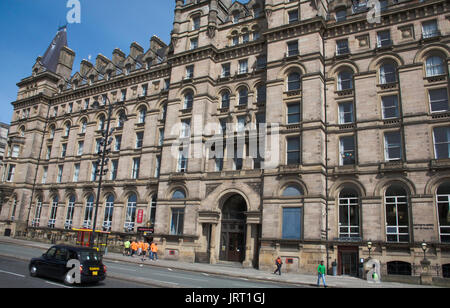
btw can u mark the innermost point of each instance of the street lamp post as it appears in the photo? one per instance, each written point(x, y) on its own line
point(101, 162)
point(424, 249)
point(369, 246)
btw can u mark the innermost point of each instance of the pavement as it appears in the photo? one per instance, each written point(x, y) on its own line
point(236, 271)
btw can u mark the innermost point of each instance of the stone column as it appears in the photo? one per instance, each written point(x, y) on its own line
point(248, 247)
point(212, 248)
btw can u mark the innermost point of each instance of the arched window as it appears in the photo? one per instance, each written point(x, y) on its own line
point(67, 129)
point(397, 217)
point(293, 83)
point(236, 17)
point(178, 194)
point(388, 73)
point(121, 119)
point(109, 210)
point(225, 99)
point(52, 131)
point(142, 114)
point(434, 66)
point(345, 80)
point(88, 211)
point(292, 191)
point(131, 213)
point(101, 122)
point(37, 213)
point(188, 100)
point(83, 126)
point(243, 96)
point(53, 212)
point(443, 204)
point(70, 210)
point(348, 213)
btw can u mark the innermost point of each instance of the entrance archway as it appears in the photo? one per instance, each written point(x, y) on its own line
point(232, 237)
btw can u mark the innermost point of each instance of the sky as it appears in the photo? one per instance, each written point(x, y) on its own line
point(27, 27)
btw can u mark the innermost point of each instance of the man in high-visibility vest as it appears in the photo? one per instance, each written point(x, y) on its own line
point(144, 250)
point(154, 249)
point(134, 248)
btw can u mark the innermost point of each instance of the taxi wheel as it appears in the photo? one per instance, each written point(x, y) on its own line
point(69, 280)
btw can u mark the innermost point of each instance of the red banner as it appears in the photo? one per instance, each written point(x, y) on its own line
point(140, 216)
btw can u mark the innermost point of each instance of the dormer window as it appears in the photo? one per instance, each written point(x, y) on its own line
point(236, 17)
point(341, 14)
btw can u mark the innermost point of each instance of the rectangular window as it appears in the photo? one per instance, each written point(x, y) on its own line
point(292, 48)
point(177, 223)
point(80, 148)
point(384, 38)
point(243, 66)
point(63, 150)
point(139, 140)
point(293, 113)
point(185, 128)
point(390, 107)
point(346, 113)
point(124, 95)
point(194, 43)
point(293, 150)
point(161, 137)
point(94, 172)
point(114, 168)
point(430, 29)
point(49, 152)
point(15, 151)
point(182, 161)
point(60, 174)
point(11, 171)
point(76, 172)
point(347, 150)
point(118, 143)
point(293, 16)
point(292, 223)
point(189, 72)
point(240, 123)
point(225, 70)
point(442, 142)
point(393, 146)
point(44, 175)
point(438, 100)
point(158, 166)
point(135, 170)
point(144, 90)
point(342, 47)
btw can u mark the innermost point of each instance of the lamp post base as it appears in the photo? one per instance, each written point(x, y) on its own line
point(425, 277)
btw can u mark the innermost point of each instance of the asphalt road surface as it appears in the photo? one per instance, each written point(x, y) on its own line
point(14, 273)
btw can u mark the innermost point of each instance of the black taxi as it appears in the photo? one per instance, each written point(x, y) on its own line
point(60, 262)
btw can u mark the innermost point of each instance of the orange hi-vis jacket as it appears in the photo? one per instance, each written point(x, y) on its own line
point(134, 246)
point(146, 245)
point(154, 248)
point(141, 245)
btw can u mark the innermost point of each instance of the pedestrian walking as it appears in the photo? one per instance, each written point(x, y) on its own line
point(321, 274)
point(144, 250)
point(134, 248)
point(126, 246)
point(140, 246)
point(154, 249)
point(278, 263)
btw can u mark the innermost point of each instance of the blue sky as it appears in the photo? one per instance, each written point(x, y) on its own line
point(28, 27)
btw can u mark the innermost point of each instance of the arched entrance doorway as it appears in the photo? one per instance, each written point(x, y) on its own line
point(232, 238)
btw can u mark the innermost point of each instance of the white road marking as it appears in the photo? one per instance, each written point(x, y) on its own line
point(59, 285)
point(9, 273)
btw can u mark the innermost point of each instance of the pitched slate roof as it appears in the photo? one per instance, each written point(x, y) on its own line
point(51, 56)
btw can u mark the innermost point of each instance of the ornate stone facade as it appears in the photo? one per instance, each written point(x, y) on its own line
point(358, 133)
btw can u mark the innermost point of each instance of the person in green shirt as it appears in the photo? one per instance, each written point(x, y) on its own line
point(321, 270)
point(127, 245)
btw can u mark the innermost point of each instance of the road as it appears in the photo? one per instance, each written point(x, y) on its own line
point(14, 272)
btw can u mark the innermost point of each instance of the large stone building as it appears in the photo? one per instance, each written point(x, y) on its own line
point(356, 147)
